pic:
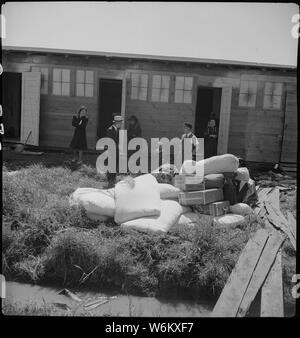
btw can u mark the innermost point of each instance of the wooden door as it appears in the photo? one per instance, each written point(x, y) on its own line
point(110, 102)
point(30, 111)
point(289, 143)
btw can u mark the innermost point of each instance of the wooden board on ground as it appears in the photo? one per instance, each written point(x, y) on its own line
point(236, 286)
point(278, 220)
point(272, 291)
point(261, 271)
point(292, 223)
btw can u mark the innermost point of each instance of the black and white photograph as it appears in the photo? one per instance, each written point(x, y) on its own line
point(149, 161)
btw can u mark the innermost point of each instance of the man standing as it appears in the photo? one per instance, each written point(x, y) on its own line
point(113, 133)
point(187, 128)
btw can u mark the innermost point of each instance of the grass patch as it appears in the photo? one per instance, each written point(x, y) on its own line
point(47, 241)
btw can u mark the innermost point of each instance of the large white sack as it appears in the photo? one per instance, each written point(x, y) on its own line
point(98, 203)
point(136, 198)
point(168, 191)
point(170, 213)
point(242, 174)
point(241, 209)
point(212, 165)
point(229, 220)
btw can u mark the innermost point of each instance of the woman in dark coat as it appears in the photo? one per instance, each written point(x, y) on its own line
point(79, 143)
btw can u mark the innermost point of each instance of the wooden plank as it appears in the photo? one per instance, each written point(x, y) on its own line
point(272, 291)
point(224, 120)
point(236, 286)
point(278, 220)
point(292, 224)
point(261, 271)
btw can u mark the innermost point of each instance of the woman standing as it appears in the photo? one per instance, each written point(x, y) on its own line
point(78, 143)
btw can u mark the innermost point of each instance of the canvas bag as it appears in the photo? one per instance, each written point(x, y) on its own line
point(170, 213)
point(137, 198)
point(168, 191)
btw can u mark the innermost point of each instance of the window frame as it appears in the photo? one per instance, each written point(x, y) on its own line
point(255, 83)
point(273, 84)
point(85, 83)
point(61, 69)
point(184, 90)
point(160, 88)
point(139, 74)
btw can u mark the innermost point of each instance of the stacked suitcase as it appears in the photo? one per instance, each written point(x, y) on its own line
point(199, 193)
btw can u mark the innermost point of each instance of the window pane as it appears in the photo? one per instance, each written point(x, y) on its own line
point(89, 90)
point(188, 85)
point(155, 94)
point(164, 95)
point(276, 102)
point(57, 88)
point(178, 96)
point(134, 93)
point(156, 81)
point(187, 97)
point(165, 82)
point(65, 89)
point(65, 75)
point(135, 79)
point(179, 82)
point(56, 75)
point(89, 76)
point(244, 87)
point(79, 89)
point(143, 94)
point(268, 88)
point(144, 80)
point(277, 89)
point(80, 76)
point(243, 100)
point(267, 101)
point(252, 100)
point(252, 87)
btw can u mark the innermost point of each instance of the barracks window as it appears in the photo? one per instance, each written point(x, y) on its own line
point(160, 88)
point(139, 86)
point(84, 83)
point(273, 95)
point(61, 82)
point(184, 89)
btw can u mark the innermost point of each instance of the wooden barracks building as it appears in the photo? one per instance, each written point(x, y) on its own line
point(254, 104)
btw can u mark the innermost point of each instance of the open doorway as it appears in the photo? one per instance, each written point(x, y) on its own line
point(11, 103)
point(110, 102)
point(208, 105)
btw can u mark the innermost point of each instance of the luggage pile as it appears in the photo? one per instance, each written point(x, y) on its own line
point(144, 204)
point(224, 191)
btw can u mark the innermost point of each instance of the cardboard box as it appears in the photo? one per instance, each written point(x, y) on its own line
point(189, 182)
point(200, 197)
point(215, 208)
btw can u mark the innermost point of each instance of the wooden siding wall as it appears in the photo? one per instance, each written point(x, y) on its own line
point(157, 119)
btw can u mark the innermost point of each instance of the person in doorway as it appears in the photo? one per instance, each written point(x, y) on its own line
point(79, 143)
point(211, 138)
point(187, 129)
point(113, 133)
point(134, 128)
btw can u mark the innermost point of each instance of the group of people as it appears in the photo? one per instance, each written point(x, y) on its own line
point(80, 121)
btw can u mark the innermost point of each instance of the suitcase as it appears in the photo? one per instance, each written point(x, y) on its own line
point(189, 182)
point(200, 197)
point(214, 209)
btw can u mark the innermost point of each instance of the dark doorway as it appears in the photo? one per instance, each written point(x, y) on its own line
point(208, 105)
point(110, 102)
point(11, 103)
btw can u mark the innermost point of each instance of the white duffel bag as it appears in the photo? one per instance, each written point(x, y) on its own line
point(212, 165)
point(241, 209)
point(170, 213)
point(99, 204)
point(136, 198)
point(168, 191)
point(242, 174)
point(229, 220)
